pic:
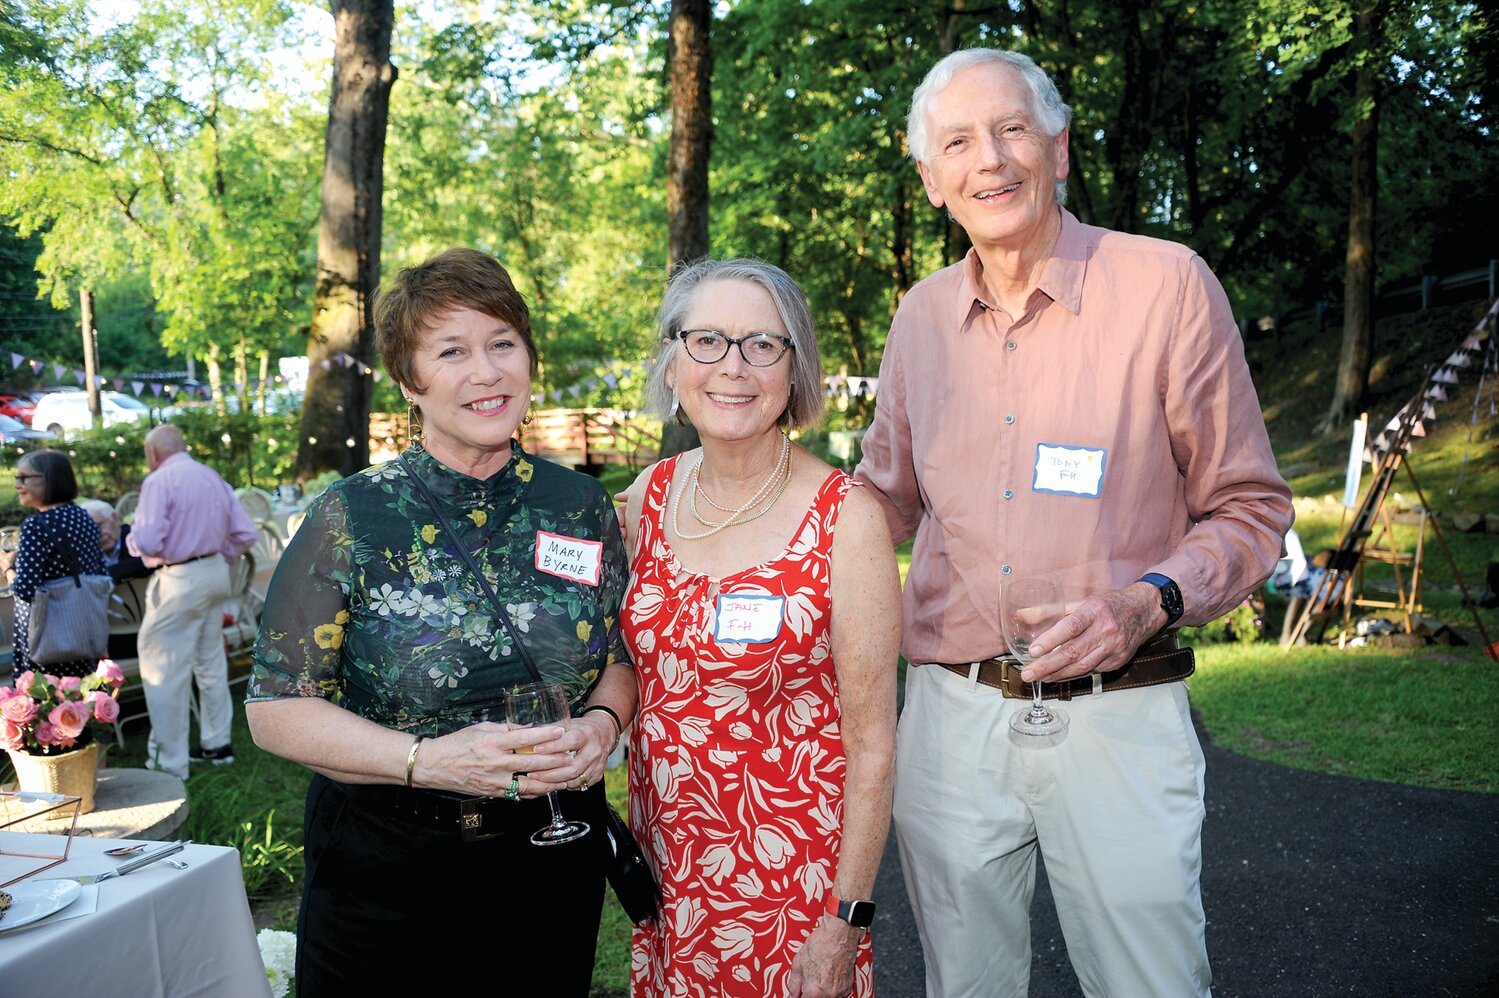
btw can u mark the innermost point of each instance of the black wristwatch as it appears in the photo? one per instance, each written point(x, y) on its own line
point(859, 914)
point(1171, 596)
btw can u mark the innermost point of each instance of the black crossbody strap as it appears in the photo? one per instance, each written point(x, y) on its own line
point(499, 608)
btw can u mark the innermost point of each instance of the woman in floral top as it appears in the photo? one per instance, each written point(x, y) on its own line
point(381, 665)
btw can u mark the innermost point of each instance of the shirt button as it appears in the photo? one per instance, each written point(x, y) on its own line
point(1009, 493)
point(1010, 345)
point(1004, 570)
point(1009, 419)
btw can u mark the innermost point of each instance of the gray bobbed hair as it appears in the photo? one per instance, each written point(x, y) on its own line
point(807, 403)
point(1052, 113)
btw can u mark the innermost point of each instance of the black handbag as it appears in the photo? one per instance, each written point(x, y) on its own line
point(628, 872)
point(624, 864)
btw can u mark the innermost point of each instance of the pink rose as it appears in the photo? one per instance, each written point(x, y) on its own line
point(106, 709)
point(11, 736)
point(6, 692)
point(110, 671)
point(69, 718)
point(70, 683)
point(25, 679)
point(18, 710)
point(45, 735)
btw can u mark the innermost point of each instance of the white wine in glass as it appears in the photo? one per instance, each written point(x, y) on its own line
point(535, 705)
point(1028, 608)
point(10, 543)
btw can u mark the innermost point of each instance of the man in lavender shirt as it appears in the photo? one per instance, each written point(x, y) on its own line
point(1069, 404)
point(187, 524)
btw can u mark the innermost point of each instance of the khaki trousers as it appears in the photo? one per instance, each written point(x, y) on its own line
point(1115, 805)
point(181, 640)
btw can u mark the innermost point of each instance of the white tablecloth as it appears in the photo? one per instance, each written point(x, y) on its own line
point(156, 933)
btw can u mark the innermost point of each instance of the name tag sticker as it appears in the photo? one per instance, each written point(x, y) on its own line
point(1069, 471)
point(569, 557)
point(749, 618)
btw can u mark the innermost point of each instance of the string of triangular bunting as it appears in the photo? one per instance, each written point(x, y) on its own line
point(1479, 351)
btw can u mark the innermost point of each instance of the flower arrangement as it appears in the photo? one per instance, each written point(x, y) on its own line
point(278, 951)
point(49, 715)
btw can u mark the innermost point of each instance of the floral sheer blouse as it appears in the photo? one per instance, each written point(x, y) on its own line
point(372, 609)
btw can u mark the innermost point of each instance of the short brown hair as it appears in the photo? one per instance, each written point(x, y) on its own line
point(58, 481)
point(418, 297)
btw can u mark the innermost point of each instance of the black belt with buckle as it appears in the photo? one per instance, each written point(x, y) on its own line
point(1158, 661)
point(475, 818)
point(189, 561)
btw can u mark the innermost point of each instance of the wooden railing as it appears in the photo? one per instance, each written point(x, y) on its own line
point(581, 438)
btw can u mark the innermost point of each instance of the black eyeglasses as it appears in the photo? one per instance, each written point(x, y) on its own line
point(21, 479)
point(709, 346)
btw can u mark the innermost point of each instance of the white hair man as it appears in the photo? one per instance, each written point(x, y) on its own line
point(1072, 405)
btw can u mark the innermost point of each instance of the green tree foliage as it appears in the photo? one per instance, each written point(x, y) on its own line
point(176, 142)
point(159, 142)
point(554, 168)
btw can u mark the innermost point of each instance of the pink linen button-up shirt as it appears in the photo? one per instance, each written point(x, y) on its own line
point(185, 511)
point(1109, 431)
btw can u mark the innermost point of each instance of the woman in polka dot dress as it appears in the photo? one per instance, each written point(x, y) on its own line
point(58, 540)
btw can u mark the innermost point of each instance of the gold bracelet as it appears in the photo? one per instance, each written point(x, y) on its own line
point(411, 757)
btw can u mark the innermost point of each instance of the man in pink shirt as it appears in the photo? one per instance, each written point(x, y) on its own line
point(1072, 405)
point(187, 524)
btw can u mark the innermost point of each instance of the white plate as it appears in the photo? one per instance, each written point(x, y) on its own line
point(36, 899)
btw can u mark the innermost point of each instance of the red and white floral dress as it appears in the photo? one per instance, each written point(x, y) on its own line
point(736, 758)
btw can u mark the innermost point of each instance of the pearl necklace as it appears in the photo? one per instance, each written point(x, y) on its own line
point(693, 484)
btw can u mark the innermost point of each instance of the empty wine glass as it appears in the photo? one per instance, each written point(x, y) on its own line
point(1028, 608)
point(535, 705)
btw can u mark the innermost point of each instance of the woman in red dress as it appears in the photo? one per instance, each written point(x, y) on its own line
point(763, 617)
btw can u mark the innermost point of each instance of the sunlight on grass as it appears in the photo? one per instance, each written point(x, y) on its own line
point(1425, 718)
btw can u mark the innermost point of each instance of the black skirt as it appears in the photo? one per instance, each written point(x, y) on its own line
point(396, 901)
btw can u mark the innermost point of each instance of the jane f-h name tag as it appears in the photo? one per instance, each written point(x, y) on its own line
point(1070, 471)
point(569, 557)
point(746, 618)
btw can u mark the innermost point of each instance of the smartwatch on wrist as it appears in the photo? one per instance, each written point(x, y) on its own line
point(1171, 596)
point(859, 914)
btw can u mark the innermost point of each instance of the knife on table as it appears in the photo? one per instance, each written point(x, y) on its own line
point(125, 868)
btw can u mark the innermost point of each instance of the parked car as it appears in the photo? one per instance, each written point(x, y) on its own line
point(13, 431)
point(68, 411)
point(17, 406)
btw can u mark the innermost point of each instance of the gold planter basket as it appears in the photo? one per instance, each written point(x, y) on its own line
point(74, 773)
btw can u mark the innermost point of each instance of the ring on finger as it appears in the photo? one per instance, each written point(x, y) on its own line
point(512, 792)
point(582, 783)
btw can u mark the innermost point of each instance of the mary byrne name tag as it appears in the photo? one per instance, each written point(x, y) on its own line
point(569, 557)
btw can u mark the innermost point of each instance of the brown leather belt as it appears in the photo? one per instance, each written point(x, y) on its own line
point(1158, 661)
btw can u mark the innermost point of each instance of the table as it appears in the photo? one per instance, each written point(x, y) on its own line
point(156, 932)
point(128, 804)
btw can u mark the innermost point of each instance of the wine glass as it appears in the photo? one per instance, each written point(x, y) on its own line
point(1028, 608)
point(10, 543)
point(535, 705)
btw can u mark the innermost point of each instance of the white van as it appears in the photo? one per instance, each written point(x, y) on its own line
point(68, 411)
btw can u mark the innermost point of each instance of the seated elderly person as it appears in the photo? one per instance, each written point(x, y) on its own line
point(120, 565)
point(118, 561)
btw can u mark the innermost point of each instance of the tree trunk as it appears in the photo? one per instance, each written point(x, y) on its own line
point(335, 416)
point(689, 57)
point(690, 71)
point(1358, 280)
point(90, 356)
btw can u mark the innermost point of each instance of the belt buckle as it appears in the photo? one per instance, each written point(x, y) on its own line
point(471, 821)
point(1005, 662)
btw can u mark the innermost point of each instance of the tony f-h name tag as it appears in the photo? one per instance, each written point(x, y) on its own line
point(745, 618)
point(1071, 471)
point(569, 557)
